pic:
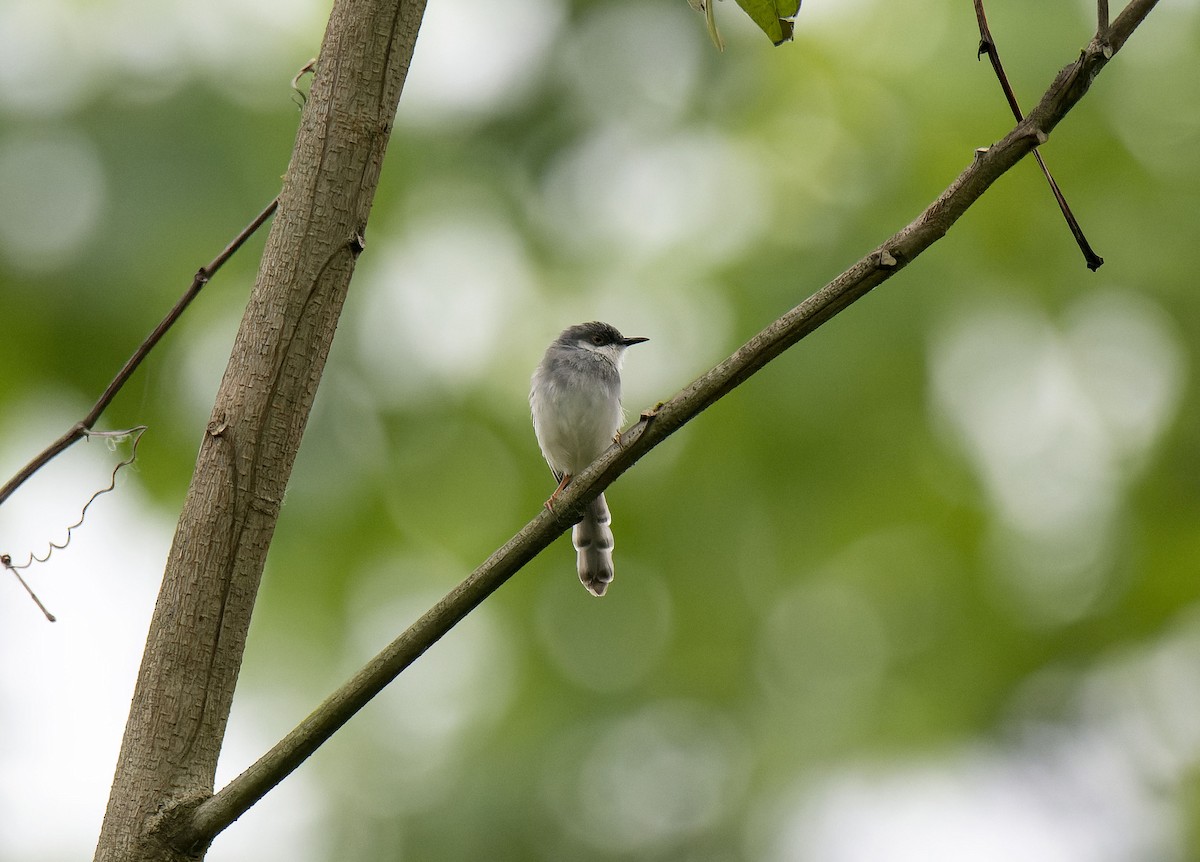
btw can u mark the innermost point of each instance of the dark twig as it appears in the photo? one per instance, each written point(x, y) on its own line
point(987, 45)
point(84, 425)
point(195, 823)
point(1101, 18)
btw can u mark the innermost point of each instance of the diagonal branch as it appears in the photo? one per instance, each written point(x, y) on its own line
point(987, 45)
point(81, 428)
point(196, 825)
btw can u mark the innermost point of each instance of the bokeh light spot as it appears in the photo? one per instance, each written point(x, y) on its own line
point(53, 188)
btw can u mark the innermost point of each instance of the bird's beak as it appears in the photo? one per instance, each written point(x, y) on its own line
point(628, 342)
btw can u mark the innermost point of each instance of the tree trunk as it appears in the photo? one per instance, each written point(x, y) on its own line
point(194, 649)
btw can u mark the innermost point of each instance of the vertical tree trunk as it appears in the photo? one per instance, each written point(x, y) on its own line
point(194, 649)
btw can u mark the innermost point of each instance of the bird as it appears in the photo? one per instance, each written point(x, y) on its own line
point(575, 402)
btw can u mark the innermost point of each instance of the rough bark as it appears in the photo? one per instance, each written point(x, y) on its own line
point(194, 649)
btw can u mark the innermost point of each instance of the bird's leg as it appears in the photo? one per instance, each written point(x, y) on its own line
point(562, 483)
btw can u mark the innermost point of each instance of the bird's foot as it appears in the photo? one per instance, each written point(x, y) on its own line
point(562, 483)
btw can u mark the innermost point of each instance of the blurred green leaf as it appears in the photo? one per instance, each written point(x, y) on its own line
point(773, 17)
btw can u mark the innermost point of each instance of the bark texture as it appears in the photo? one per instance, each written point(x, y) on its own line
point(194, 649)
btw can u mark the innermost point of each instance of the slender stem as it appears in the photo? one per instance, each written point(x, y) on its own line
point(199, 823)
point(1131, 17)
point(1101, 17)
point(987, 45)
point(6, 561)
point(80, 428)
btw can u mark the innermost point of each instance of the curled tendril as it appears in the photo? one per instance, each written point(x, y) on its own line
point(299, 96)
point(113, 438)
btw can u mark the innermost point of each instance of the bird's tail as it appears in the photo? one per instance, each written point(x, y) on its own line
point(594, 542)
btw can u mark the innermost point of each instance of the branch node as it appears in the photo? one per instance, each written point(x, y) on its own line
point(649, 415)
point(886, 261)
point(172, 824)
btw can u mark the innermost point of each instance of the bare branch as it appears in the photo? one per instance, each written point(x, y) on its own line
point(987, 45)
point(201, 822)
point(1101, 17)
point(83, 426)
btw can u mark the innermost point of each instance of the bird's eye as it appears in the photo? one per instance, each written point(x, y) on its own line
point(597, 340)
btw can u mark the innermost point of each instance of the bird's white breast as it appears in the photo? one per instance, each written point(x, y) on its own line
point(573, 423)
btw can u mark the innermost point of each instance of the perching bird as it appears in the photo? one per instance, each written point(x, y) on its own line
point(575, 399)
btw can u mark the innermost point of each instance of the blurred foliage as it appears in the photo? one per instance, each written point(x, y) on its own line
point(926, 582)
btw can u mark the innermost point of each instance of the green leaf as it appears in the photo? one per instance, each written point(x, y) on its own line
point(772, 16)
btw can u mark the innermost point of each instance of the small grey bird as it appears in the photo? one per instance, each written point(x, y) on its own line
point(575, 399)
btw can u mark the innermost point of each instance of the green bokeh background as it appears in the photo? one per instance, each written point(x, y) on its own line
point(926, 584)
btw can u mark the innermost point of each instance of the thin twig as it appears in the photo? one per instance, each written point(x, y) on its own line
point(6, 561)
point(84, 425)
point(1101, 17)
point(987, 45)
point(196, 824)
